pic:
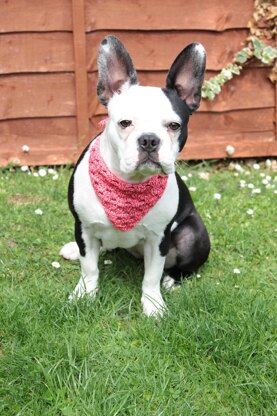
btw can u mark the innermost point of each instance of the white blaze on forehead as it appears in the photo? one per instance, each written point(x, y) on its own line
point(142, 104)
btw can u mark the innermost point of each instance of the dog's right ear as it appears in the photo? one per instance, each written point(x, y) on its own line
point(186, 75)
point(115, 69)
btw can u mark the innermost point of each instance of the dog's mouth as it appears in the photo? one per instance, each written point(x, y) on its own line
point(150, 165)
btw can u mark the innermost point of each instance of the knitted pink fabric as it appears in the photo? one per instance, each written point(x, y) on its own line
point(125, 203)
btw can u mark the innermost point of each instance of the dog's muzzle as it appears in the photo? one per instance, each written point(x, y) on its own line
point(148, 146)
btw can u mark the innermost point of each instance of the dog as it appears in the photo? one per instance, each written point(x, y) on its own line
point(124, 191)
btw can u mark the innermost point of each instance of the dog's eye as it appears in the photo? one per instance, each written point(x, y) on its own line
point(125, 123)
point(173, 126)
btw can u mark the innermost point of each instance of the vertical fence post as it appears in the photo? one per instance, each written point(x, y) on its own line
point(276, 111)
point(81, 82)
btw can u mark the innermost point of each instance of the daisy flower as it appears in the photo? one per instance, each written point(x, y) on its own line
point(217, 196)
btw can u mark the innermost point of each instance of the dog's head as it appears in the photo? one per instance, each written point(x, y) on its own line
point(148, 125)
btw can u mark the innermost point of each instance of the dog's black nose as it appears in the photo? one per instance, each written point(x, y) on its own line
point(149, 142)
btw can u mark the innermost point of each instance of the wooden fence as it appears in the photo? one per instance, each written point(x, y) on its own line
point(48, 74)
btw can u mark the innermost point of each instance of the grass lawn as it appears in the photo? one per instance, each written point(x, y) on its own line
point(213, 354)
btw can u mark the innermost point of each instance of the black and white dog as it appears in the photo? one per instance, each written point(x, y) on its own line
point(124, 191)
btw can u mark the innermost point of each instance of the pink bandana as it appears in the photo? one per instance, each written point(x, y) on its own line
point(125, 203)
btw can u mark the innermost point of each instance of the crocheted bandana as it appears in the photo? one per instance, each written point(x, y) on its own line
point(125, 203)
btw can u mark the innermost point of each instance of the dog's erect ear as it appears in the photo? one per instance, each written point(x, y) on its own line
point(187, 73)
point(115, 69)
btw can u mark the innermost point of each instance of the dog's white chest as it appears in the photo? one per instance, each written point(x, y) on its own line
point(112, 238)
point(93, 216)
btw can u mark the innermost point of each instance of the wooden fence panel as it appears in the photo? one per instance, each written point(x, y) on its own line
point(48, 74)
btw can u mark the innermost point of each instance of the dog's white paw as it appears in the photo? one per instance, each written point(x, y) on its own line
point(82, 290)
point(153, 305)
point(170, 284)
point(70, 251)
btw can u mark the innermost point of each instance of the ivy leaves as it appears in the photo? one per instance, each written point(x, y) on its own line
point(262, 25)
point(255, 49)
point(212, 87)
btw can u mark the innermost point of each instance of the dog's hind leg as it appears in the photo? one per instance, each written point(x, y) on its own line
point(189, 249)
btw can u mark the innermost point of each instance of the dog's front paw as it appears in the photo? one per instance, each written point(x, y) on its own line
point(153, 305)
point(82, 290)
point(70, 251)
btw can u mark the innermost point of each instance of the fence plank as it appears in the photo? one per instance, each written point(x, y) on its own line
point(147, 53)
point(53, 140)
point(36, 52)
point(236, 94)
point(53, 51)
point(35, 16)
point(163, 15)
point(37, 95)
point(253, 144)
point(49, 139)
point(80, 68)
point(230, 122)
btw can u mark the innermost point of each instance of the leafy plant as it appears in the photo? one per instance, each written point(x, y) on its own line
point(255, 49)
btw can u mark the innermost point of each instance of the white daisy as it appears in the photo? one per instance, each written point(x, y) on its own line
point(42, 172)
point(217, 196)
point(238, 168)
point(204, 175)
point(52, 171)
point(268, 163)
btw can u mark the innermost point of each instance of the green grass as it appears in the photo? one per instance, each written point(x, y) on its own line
point(213, 354)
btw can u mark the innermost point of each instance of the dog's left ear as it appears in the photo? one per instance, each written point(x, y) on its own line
point(187, 73)
point(115, 69)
